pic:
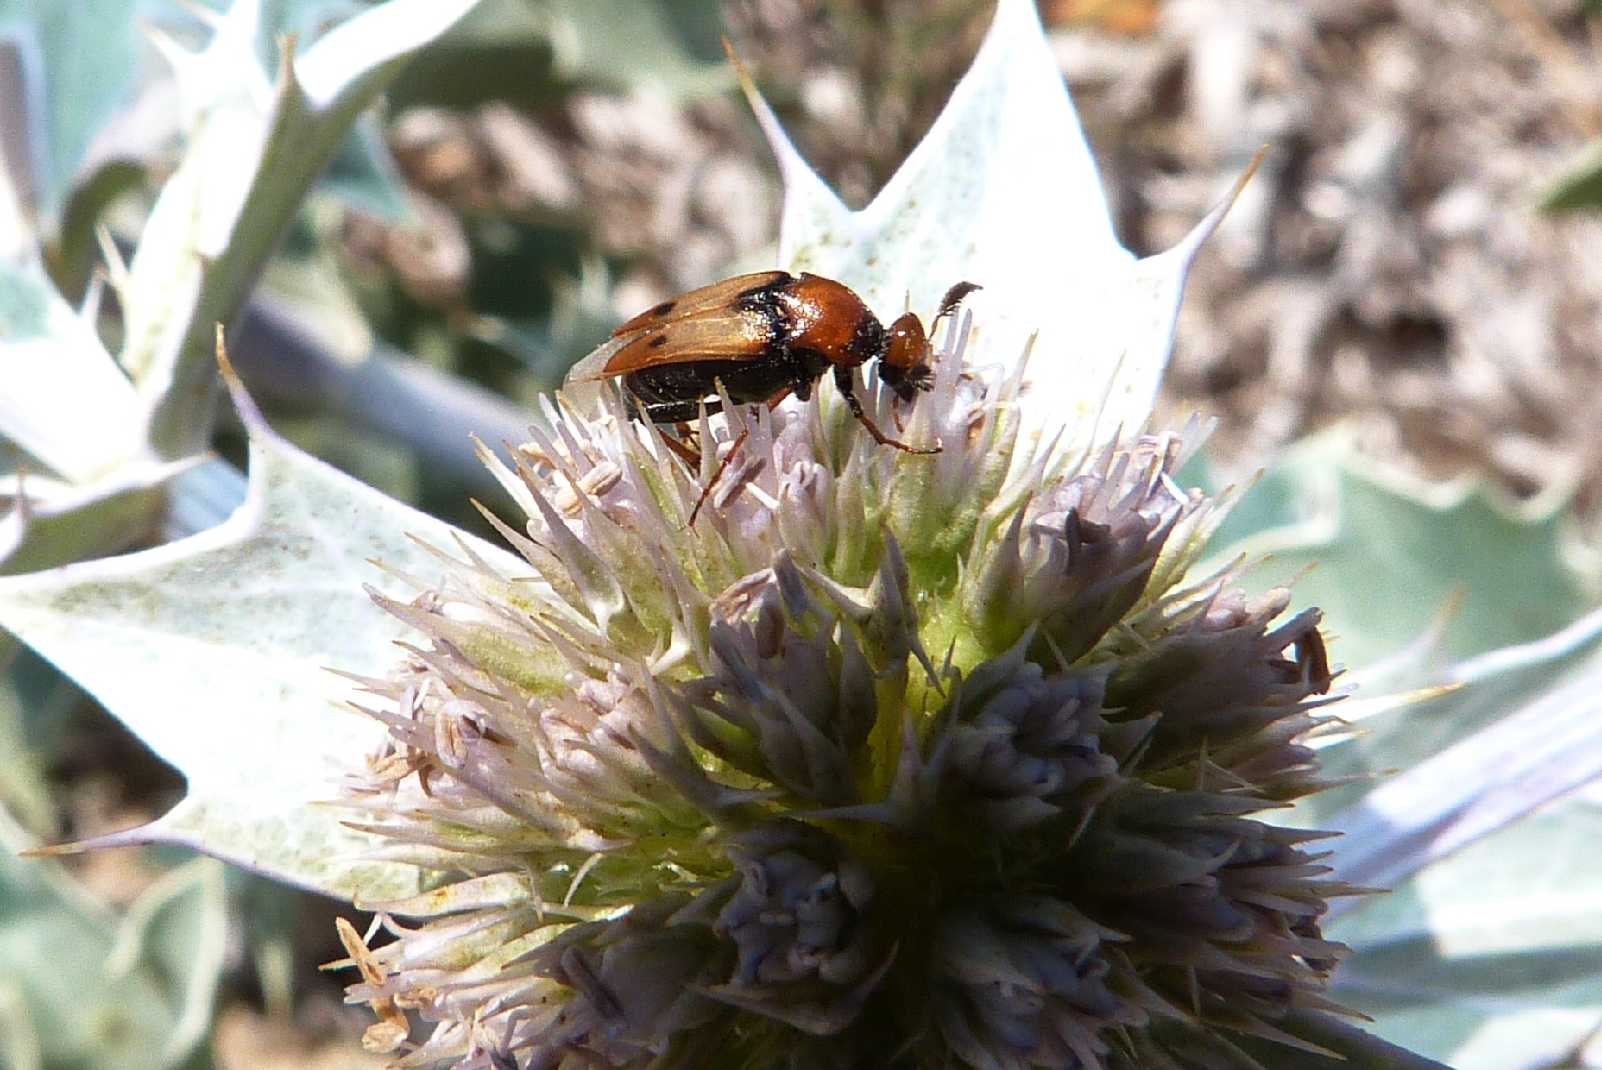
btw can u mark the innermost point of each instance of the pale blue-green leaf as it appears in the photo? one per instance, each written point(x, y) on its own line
point(84, 75)
point(33, 702)
point(1542, 707)
point(1491, 959)
point(1383, 555)
point(1489, 952)
point(83, 65)
point(1386, 559)
point(64, 401)
point(215, 650)
point(303, 18)
point(251, 156)
point(51, 523)
point(62, 398)
point(350, 64)
point(363, 174)
point(19, 1043)
point(179, 926)
point(1003, 192)
point(79, 62)
point(666, 46)
point(57, 997)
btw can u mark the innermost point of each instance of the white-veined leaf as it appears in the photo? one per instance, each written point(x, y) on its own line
point(215, 651)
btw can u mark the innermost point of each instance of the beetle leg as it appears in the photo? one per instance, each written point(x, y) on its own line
point(723, 463)
point(842, 382)
point(685, 452)
point(739, 441)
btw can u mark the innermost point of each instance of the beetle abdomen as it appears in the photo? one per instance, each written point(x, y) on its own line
point(670, 393)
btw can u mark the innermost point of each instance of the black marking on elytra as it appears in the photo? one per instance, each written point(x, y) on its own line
point(766, 293)
point(664, 308)
point(767, 301)
point(658, 342)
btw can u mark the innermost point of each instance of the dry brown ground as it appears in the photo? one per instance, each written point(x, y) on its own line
point(1388, 265)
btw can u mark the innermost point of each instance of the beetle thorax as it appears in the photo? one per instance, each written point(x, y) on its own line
point(824, 317)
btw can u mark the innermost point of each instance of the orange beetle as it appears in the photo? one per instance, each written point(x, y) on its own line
point(762, 336)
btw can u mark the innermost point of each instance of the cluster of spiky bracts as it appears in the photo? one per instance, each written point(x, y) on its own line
point(888, 761)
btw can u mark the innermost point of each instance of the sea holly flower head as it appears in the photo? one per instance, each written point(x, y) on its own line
point(934, 755)
point(1065, 696)
point(888, 759)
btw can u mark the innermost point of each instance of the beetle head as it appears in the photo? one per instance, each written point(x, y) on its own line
point(904, 365)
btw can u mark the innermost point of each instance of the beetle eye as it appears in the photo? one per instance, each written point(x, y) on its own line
point(909, 347)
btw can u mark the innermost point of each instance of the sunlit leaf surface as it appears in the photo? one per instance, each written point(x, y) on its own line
point(1003, 192)
point(215, 650)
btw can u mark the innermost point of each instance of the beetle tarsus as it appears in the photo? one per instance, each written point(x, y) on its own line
point(842, 381)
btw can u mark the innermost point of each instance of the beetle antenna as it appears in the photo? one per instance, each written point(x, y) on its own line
point(953, 298)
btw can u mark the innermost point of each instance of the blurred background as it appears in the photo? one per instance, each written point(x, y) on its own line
point(1420, 255)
